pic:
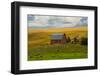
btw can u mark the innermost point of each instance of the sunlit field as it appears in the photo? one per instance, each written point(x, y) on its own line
point(39, 47)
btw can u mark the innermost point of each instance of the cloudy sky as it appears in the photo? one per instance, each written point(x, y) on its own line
point(39, 21)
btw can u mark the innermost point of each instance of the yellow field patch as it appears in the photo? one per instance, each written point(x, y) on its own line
point(42, 36)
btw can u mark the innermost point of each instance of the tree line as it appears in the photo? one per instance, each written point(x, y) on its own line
point(76, 39)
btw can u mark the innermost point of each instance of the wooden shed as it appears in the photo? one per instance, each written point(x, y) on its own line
point(59, 38)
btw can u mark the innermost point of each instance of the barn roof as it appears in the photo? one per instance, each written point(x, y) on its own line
point(57, 36)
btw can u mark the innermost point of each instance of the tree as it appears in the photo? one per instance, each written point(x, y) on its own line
point(84, 41)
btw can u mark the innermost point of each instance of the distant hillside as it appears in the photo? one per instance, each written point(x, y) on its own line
point(84, 25)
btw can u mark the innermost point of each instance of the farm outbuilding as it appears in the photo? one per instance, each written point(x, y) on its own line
point(59, 38)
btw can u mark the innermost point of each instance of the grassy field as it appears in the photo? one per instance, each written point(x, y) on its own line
point(39, 47)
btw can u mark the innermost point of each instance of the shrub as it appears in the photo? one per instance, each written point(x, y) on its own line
point(75, 40)
point(68, 39)
point(84, 41)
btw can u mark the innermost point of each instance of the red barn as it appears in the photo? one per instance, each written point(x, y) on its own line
point(58, 38)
